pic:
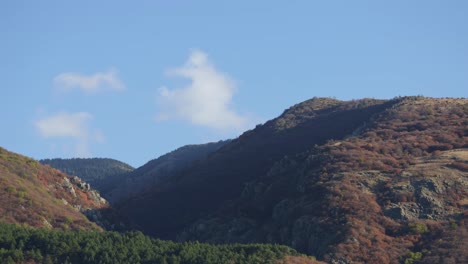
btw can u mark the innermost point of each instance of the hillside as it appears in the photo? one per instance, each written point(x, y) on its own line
point(206, 186)
point(347, 181)
point(39, 196)
point(43, 221)
point(95, 171)
point(126, 185)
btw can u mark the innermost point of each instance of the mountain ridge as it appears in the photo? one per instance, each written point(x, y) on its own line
point(254, 151)
point(279, 182)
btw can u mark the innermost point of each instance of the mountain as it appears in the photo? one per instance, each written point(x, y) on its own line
point(95, 171)
point(361, 181)
point(42, 220)
point(206, 186)
point(137, 181)
point(39, 196)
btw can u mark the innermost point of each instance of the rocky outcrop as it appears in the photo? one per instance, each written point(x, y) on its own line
point(424, 191)
point(69, 183)
point(68, 186)
point(46, 223)
point(403, 211)
point(81, 184)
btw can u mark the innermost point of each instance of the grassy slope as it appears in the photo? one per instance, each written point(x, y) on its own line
point(34, 194)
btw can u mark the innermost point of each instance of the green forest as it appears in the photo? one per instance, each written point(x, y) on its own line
point(23, 244)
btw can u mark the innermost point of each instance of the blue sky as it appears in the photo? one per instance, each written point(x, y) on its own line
point(132, 80)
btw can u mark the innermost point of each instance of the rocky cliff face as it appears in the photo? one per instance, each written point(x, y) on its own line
point(425, 190)
point(72, 183)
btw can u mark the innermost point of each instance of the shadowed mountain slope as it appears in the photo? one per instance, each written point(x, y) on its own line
point(157, 170)
point(361, 181)
point(207, 185)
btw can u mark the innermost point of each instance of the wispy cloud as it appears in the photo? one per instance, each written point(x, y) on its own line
point(89, 84)
point(206, 100)
point(72, 126)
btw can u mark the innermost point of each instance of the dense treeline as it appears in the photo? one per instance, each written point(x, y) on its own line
point(23, 244)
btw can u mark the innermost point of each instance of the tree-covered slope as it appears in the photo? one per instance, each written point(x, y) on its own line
point(361, 181)
point(95, 171)
point(157, 170)
point(203, 188)
point(37, 195)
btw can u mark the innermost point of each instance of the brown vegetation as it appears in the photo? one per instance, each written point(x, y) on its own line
point(382, 194)
point(40, 196)
point(407, 143)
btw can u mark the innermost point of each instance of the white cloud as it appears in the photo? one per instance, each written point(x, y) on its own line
point(70, 126)
point(206, 101)
point(89, 84)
